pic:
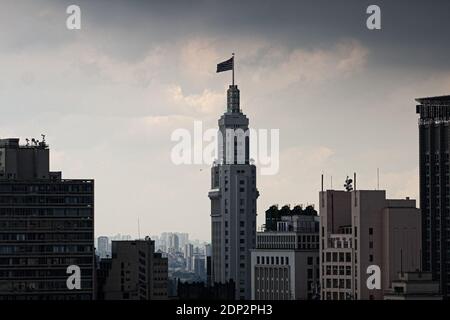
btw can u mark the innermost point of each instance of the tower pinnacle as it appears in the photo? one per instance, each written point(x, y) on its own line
point(233, 105)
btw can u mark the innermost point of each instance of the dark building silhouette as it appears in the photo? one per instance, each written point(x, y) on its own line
point(46, 225)
point(135, 272)
point(208, 271)
point(434, 150)
point(274, 214)
point(198, 291)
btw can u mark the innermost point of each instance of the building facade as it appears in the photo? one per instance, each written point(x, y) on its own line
point(233, 197)
point(362, 228)
point(135, 272)
point(285, 263)
point(434, 168)
point(414, 286)
point(46, 225)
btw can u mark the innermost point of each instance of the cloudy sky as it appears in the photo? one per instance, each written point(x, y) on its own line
point(109, 96)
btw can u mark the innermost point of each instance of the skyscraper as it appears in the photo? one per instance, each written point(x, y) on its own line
point(434, 157)
point(233, 197)
point(46, 224)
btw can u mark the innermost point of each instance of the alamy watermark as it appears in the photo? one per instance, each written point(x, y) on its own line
point(233, 146)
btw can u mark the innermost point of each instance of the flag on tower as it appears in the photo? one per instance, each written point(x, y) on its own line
point(226, 65)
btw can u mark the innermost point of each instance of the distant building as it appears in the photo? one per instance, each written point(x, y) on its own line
point(183, 239)
point(46, 224)
point(199, 266)
point(198, 291)
point(434, 168)
point(285, 263)
point(174, 243)
point(135, 272)
point(188, 254)
point(414, 286)
point(360, 229)
point(103, 247)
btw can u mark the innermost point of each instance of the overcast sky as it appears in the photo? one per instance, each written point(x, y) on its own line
point(109, 96)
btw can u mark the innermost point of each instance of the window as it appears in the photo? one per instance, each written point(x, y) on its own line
point(310, 261)
point(370, 231)
point(371, 258)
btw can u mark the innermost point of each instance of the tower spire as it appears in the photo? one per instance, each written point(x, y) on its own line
point(232, 82)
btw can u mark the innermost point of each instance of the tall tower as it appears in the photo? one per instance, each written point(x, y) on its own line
point(434, 164)
point(233, 197)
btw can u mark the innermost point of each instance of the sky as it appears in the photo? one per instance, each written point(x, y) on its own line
point(109, 96)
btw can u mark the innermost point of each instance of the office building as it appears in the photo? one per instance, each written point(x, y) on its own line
point(434, 167)
point(285, 263)
point(135, 272)
point(362, 228)
point(46, 225)
point(233, 197)
point(188, 254)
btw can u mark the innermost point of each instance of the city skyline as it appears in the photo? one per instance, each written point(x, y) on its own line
point(343, 99)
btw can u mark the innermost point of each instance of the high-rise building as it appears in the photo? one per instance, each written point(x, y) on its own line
point(434, 169)
point(103, 247)
point(46, 224)
point(233, 197)
point(188, 254)
point(183, 239)
point(199, 266)
point(362, 229)
point(285, 263)
point(135, 272)
point(174, 243)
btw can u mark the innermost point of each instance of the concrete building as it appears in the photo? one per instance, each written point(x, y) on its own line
point(46, 225)
point(233, 197)
point(199, 266)
point(414, 286)
point(285, 263)
point(135, 272)
point(362, 228)
point(434, 168)
point(103, 247)
point(174, 243)
point(188, 254)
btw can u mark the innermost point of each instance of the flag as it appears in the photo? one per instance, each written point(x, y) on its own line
point(226, 65)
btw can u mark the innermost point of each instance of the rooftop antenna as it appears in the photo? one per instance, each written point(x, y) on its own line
point(322, 182)
point(378, 178)
point(354, 180)
point(233, 70)
point(331, 178)
point(139, 230)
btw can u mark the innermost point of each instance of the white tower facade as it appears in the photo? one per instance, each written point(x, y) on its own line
point(233, 197)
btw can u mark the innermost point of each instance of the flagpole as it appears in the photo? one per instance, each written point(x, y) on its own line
point(233, 70)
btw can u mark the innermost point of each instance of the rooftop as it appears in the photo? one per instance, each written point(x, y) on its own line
point(432, 100)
